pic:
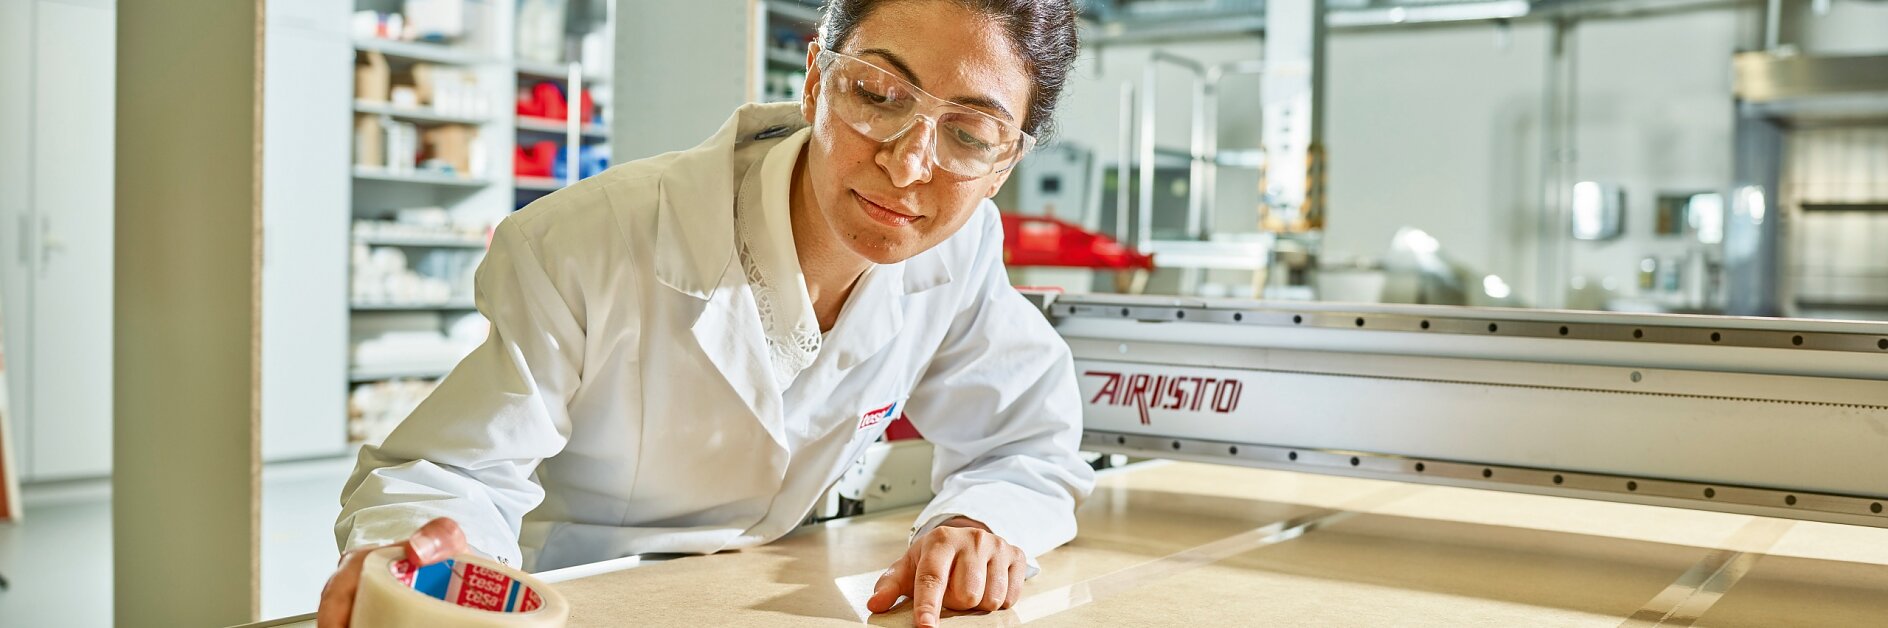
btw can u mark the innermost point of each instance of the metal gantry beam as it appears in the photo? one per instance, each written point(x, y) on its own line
point(1756, 416)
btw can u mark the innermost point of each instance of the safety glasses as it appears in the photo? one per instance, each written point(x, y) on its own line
point(883, 106)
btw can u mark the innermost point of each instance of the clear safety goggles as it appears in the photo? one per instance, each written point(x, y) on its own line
point(883, 106)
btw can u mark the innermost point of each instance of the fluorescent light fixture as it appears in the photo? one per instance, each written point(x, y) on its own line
point(1452, 12)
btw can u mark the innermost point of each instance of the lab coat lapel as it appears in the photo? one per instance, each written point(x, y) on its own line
point(694, 255)
point(729, 332)
point(875, 312)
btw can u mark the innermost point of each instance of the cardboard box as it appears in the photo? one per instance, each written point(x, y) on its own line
point(426, 82)
point(372, 77)
point(369, 142)
point(451, 143)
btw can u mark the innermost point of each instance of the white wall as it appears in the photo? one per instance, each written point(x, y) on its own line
point(1438, 128)
point(681, 69)
point(1654, 113)
point(1090, 110)
point(1851, 27)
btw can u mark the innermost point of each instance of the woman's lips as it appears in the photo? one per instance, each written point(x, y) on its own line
point(884, 216)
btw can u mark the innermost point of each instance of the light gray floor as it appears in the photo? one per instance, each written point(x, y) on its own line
point(58, 559)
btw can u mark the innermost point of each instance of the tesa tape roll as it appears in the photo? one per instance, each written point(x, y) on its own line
point(465, 590)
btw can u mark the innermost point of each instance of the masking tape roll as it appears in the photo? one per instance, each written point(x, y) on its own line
point(465, 590)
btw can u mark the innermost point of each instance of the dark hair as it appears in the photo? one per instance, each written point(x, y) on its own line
point(1042, 31)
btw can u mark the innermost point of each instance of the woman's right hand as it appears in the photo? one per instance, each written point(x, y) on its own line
point(438, 540)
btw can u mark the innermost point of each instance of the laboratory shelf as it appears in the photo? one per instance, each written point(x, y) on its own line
point(554, 72)
point(558, 127)
point(413, 307)
point(413, 114)
point(360, 375)
point(787, 59)
point(793, 11)
point(419, 51)
point(421, 177)
point(438, 242)
point(539, 184)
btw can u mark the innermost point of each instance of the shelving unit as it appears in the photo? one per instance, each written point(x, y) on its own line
point(417, 177)
point(413, 114)
point(572, 135)
point(363, 376)
point(799, 12)
point(554, 71)
point(538, 184)
point(788, 28)
point(560, 127)
point(472, 74)
point(413, 307)
point(422, 241)
point(785, 59)
point(495, 59)
point(420, 51)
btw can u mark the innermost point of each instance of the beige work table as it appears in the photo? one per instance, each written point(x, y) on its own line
point(1182, 544)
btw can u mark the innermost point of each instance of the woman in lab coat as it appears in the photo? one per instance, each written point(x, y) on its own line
point(687, 350)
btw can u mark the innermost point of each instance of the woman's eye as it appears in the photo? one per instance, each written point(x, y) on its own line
point(866, 94)
point(970, 141)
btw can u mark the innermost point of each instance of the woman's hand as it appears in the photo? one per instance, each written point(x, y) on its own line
point(960, 565)
point(438, 540)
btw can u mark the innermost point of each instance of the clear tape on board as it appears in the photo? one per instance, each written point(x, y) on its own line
point(465, 590)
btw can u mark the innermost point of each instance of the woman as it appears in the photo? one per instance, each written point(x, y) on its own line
point(687, 350)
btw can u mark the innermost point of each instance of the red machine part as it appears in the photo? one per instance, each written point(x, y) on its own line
point(1045, 241)
point(901, 429)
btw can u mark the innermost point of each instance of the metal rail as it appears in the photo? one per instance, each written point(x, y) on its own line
point(1772, 417)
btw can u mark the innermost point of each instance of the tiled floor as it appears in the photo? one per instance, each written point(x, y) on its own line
point(58, 559)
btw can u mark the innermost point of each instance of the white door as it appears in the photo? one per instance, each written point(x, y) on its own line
point(308, 83)
point(17, 224)
point(73, 90)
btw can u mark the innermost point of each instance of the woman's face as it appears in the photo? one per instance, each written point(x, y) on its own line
point(886, 201)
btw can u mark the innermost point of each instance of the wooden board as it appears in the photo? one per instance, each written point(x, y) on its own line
point(1407, 555)
point(1181, 544)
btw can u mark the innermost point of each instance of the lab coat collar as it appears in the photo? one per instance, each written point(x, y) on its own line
point(925, 271)
point(879, 295)
point(695, 253)
point(695, 245)
point(695, 212)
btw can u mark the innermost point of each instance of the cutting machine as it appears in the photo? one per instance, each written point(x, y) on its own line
point(1779, 418)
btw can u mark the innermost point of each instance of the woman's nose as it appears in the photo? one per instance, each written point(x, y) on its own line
point(907, 158)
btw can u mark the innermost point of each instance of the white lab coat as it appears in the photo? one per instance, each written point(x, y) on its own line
point(623, 403)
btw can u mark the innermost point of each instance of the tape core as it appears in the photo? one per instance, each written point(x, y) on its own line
point(467, 585)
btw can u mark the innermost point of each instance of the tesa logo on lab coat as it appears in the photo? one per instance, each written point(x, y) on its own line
point(1163, 392)
point(878, 416)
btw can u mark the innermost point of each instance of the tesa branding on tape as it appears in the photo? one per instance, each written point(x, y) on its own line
point(468, 585)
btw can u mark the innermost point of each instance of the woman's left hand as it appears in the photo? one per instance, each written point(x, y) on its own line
point(960, 565)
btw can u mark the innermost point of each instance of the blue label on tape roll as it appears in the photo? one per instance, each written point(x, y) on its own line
point(434, 579)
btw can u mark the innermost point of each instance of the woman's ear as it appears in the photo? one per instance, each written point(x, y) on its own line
point(809, 93)
point(996, 182)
